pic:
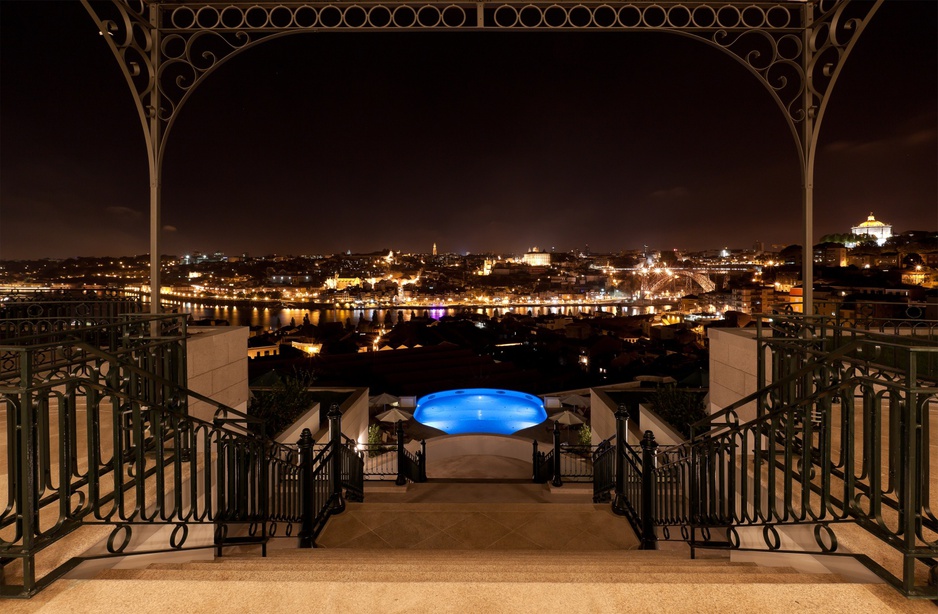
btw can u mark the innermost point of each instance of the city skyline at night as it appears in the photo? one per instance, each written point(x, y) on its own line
point(476, 141)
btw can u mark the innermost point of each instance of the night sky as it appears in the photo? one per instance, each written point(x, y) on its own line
point(317, 143)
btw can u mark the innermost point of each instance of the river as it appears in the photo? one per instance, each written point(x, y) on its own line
point(276, 317)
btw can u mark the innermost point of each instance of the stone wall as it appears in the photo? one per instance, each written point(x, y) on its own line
point(733, 369)
point(217, 367)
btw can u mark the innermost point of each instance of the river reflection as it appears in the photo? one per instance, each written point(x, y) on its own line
point(275, 317)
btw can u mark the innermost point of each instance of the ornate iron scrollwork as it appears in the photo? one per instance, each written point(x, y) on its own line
point(794, 49)
point(123, 531)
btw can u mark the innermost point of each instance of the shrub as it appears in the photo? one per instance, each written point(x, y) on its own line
point(374, 440)
point(286, 401)
point(585, 435)
point(679, 408)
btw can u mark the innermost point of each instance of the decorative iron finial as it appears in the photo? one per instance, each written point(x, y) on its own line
point(648, 441)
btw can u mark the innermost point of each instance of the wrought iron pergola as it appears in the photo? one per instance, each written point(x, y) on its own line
point(795, 48)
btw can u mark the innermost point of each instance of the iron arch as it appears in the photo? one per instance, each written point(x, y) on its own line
point(795, 48)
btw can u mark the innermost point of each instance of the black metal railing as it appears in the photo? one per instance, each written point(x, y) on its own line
point(847, 315)
point(839, 440)
point(97, 433)
point(570, 462)
point(38, 313)
point(324, 475)
point(380, 460)
point(413, 466)
point(352, 472)
point(543, 465)
point(604, 470)
point(576, 462)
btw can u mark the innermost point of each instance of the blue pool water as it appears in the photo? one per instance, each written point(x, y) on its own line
point(480, 410)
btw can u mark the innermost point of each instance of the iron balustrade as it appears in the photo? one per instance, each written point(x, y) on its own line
point(604, 470)
point(543, 466)
point(628, 498)
point(39, 313)
point(576, 462)
point(380, 460)
point(98, 437)
point(413, 467)
point(353, 472)
point(386, 461)
point(839, 440)
point(853, 314)
point(320, 487)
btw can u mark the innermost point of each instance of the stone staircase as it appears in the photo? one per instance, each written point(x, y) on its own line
point(446, 557)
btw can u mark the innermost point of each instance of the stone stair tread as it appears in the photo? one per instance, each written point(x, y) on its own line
point(736, 568)
point(706, 576)
point(559, 566)
point(688, 596)
point(342, 554)
point(466, 553)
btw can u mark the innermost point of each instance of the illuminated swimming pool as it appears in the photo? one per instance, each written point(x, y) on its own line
point(480, 410)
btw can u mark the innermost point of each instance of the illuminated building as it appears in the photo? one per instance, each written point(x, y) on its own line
point(875, 229)
point(536, 257)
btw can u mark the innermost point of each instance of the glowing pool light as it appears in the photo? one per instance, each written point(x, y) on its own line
point(480, 410)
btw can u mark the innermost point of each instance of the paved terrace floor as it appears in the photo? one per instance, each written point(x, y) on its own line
point(478, 479)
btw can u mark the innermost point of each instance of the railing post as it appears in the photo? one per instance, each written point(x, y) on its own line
point(401, 480)
point(423, 460)
point(335, 436)
point(622, 421)
point(912, 462)
point(649, 539)
point(305, 446)
point(534, 458)
point(557, 481)
point(26, 469)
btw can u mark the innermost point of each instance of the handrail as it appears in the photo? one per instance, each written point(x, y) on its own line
point(380, 460)
point(162, 465)
point(604, 470)
point(630, 504)
point(220, 408)
point(839, 437)
point(67, 324)
point(544, 467)
point(411, 466)
point(729, 412)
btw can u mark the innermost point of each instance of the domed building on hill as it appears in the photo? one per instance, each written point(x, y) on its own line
point(879, 231)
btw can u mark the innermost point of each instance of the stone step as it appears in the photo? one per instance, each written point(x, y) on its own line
point(491, 566)
point(563, 527)
point(586, 555)
point(684, 597)
point(454, 564)
point(581, 569)
point(477, 576)
point(319, 555)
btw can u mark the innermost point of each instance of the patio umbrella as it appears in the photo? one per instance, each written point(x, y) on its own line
point(575, 400)
point(566, 417)
point(383, 399)
point(394, 415)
